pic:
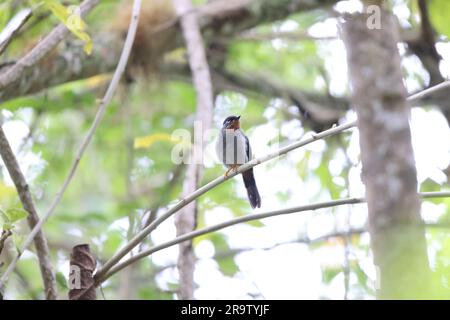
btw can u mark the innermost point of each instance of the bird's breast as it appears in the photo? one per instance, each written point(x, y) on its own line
point(231, 147)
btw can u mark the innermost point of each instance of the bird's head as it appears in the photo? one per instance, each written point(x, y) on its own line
point(232, 122)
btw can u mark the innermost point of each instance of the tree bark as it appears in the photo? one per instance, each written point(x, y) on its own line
point(389, 173)
point(40, 242)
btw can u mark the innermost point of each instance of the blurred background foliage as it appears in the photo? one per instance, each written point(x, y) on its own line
point(118, 185)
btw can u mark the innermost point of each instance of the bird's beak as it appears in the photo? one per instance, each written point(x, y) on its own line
point(238, 117)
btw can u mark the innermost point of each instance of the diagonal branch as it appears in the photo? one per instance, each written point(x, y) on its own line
point(247, 218)
point(13, 27)
point(26, 199)
point(103, 104)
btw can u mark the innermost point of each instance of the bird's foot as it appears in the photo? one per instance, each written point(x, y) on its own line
point(233, 167)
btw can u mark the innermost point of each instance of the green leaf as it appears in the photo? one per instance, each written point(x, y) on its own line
point(4, 220)
point(16, 214)
point(61, 280)
point(440, 15)
point(328, 274)
point(10, 216)
point(303, 165)
point(113, 241)
point(228, 266)
point(363, 279)
point(72, 21)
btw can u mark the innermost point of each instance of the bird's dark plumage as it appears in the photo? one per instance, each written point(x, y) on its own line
point(249, 181)
point(231, 119)
point(230, 149)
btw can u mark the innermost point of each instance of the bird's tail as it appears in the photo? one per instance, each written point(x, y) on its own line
point(252, 190)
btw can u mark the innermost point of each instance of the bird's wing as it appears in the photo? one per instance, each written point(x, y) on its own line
point(248, 149)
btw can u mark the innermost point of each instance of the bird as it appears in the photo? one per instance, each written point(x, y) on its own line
point(233, 149)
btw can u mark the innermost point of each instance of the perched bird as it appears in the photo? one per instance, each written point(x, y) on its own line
point(233, 149)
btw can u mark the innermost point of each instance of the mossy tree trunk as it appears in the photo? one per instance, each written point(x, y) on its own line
point(389, 174)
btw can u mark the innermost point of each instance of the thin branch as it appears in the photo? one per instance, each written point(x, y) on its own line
point(283, 35)
point(40, 242)
point(186, 219)
point(247, 218)
point(304, 240)
point(13, 27)
point(32, 128)
point(41, 49)
point(103, 104)
point(424, 93)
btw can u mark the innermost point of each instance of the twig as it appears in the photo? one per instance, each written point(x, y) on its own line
point(41, 49)
point(284, 35)
point(33, 126)
point(251, 217)
point(43, 253)
point(103, 104)
point(305, 240)
point(427, 92)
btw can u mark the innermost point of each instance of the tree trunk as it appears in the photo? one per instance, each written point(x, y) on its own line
point(186, 219)
point(389, 173)
point(40, 241)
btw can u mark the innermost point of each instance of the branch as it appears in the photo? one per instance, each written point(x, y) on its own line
point(43, 253)
point(247, 218)
point(13, 74)
point(424, 46)
point(284, 35)
point(235, 251)
point(424, 94)
point(13, 27)
point(103, 104)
